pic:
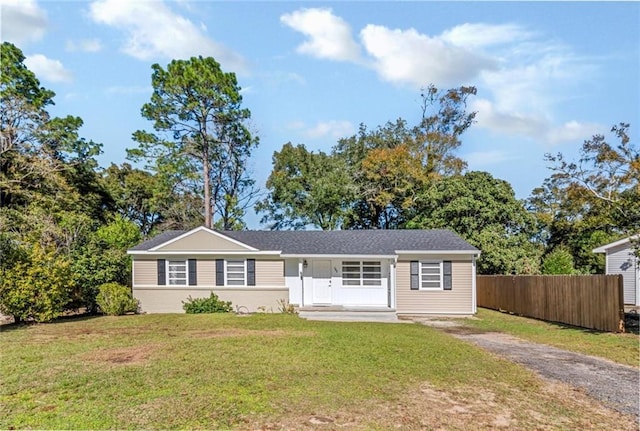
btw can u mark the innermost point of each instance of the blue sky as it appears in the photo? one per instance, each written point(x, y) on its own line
point(549, 74)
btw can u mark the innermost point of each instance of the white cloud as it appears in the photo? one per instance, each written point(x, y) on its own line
point(22, 21)
point(531, 125)
point(484, 158)
point(153, 30)
point(523, 77)
point(573, 131)
point(481, 35)
point(47, 68)
point(334, 128)
point(84, 45)
point(329, 36)
point(406, 56)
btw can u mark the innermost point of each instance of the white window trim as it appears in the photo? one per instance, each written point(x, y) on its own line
point(168, 272)
point(226, 273)
point(361, 279)
point(441, 266)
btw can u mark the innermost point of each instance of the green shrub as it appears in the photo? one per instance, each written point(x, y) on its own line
point(115, 299)
point(558, 261)
point(38, 287)
point(212, 304)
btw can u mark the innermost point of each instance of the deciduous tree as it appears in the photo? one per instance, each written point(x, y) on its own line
point(306, 189)
point(484, 211)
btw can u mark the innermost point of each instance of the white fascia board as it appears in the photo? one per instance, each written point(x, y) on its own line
point(436, 252)
point(198, 229)
point(340, 256)
point(604, 248)
point(204, 253)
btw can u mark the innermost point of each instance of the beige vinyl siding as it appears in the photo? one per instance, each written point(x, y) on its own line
point(202, 241)
point(250, 299)
point(206, 272)
point(270, 273)
point(145, 272)
point(458, 300)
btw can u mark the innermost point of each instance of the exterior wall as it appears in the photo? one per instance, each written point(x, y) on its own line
point(162, 299)
point(269, 273)
point(145, 272)
point(269, 290)
point(620, 260)
point(206, 272)
point(458, 300)
point(202, 241)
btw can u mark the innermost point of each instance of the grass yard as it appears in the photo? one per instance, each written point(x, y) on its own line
point(620, 348)
point(271, 372)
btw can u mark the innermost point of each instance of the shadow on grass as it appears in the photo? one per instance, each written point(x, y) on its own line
point(630, 323)
point(13, 326)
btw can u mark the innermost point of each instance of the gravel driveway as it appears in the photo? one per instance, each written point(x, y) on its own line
point(615, 385)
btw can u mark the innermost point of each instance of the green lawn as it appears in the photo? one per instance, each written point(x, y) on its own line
point(621, 348)
point(270, 372)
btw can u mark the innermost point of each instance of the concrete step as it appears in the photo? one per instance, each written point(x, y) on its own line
point(351, 316)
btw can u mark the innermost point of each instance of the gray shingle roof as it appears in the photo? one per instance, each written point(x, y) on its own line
point(345, 242)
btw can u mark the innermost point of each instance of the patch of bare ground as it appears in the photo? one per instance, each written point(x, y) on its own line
point(555, 407)
point(134, 355)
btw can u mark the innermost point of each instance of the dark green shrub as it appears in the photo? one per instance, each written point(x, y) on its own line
point(115, 299)
point(212, 304)
point(38, 287)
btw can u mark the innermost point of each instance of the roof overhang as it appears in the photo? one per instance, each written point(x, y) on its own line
point(434, 252)
point(204, 253)
point(339, 256)
point(604, 248)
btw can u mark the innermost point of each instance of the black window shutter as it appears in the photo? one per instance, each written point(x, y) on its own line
point(193, 272)
point(162, 278)
point(415, 275)
point(446, 272)
point(251, 272)
point(219, 272)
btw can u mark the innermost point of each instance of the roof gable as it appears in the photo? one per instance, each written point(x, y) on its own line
point(623, 241)
point(201, 239)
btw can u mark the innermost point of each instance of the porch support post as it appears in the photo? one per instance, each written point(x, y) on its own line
point(392, 282)
point(301, 274)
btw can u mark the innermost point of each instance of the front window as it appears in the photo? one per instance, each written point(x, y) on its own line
point(431, 275)
point(365, 273)
point(236, 273)
point(177, 271)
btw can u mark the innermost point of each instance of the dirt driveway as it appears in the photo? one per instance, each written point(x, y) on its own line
point(616, 386)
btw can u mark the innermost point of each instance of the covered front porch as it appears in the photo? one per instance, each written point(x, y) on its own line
point(339, 284)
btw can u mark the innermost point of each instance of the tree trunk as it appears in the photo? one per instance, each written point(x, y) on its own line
point(208, 209)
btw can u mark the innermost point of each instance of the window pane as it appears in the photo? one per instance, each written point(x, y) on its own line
point(430, 275)
point(235, 275)
point(367, 273)
point(177, 273)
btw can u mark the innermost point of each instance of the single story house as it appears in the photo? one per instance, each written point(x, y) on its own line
point(411, 272)
point(620, 259)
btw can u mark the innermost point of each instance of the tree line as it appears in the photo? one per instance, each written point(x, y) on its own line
point(66, 222)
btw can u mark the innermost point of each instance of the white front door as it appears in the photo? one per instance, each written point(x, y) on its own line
point(321, 282)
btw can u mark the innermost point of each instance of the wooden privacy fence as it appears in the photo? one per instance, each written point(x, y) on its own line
point(589, 301)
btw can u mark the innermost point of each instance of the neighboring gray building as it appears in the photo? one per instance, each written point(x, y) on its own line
point(404, 271)
point(620, 259)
